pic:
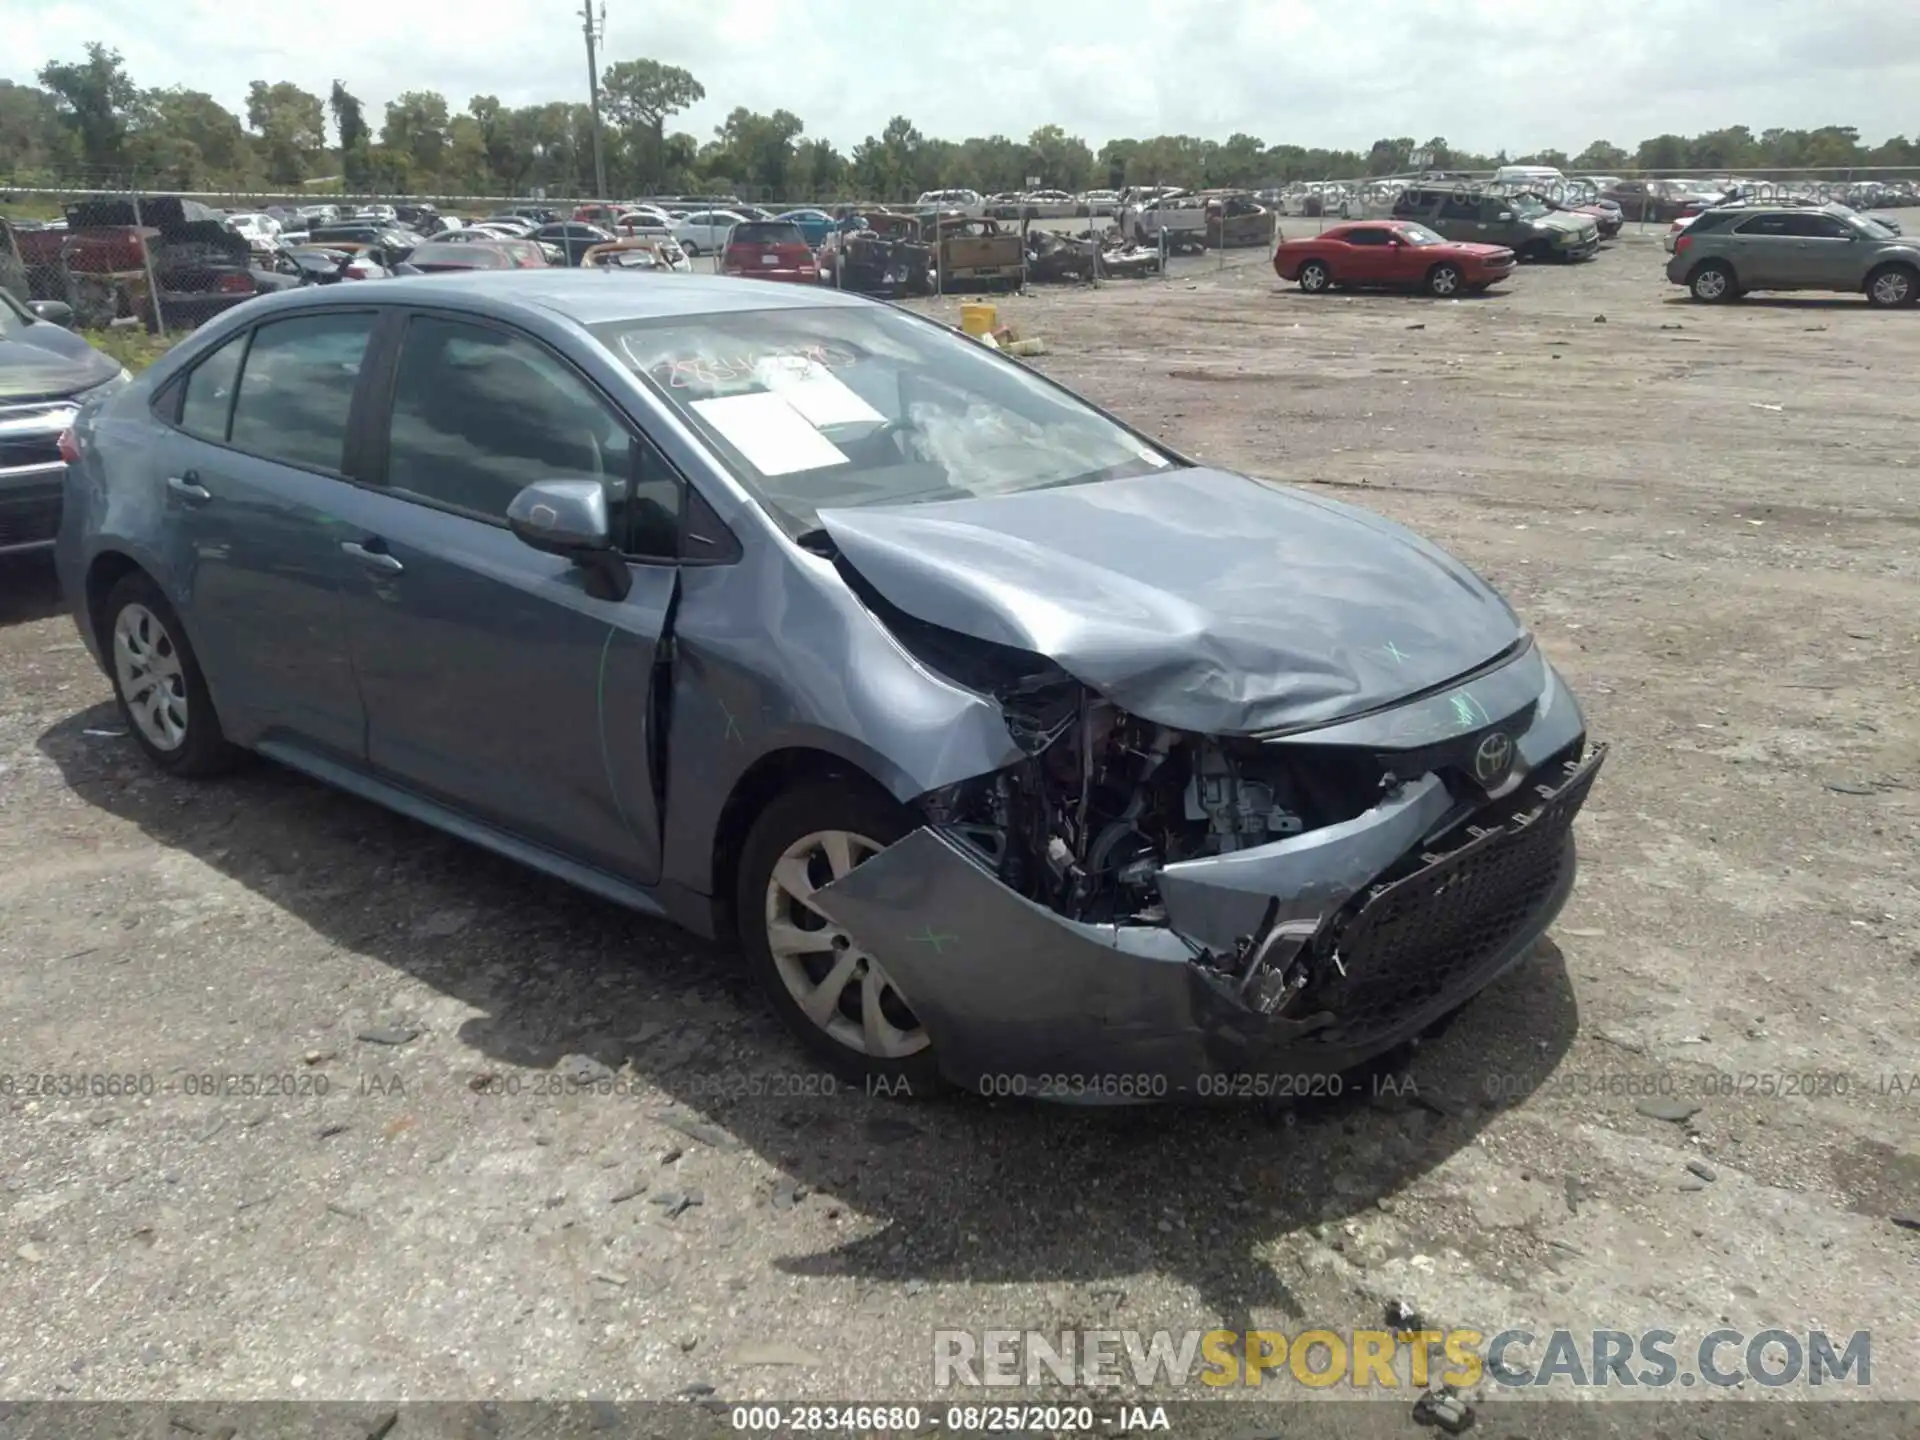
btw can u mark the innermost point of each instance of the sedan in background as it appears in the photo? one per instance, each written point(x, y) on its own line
point(572, 239)
point(46, 374)
point(703, 232)
point(1007, 743)
point(815, 225)
point(1390, 255)
point(435, 258)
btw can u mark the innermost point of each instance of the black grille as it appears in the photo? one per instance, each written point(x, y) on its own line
point(29, 522)
point(19, 450)
point(1417, 936)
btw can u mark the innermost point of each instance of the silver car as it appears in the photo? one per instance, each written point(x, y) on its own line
point(1017, 751)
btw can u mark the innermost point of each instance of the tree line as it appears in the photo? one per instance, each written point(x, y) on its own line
point(89, 119)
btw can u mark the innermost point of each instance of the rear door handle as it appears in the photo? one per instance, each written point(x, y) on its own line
point(372, 559)
point(189, 488)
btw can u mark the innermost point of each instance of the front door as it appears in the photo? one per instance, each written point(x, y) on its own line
point(496, 681)
point(251, 481)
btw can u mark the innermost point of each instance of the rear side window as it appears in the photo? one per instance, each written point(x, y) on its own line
point(296, 389)
point(207, 403)
point(1367, 237)
point(760, 232)
point(479, 414)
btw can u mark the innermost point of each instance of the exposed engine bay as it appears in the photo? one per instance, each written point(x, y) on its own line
point(1105, 799)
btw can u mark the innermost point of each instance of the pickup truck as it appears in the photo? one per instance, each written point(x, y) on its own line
point(97, 264)
point(976, 252)
point(1181, 218)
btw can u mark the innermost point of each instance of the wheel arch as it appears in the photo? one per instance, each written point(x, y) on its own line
point(1715, 262)
point(106, 570)
point(759, 785)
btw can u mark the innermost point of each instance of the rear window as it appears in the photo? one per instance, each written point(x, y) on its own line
point(767, 232)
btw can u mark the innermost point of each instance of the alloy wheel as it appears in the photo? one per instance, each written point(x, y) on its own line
point(1710, 284)
point(146, 666)
point(839, 987)
point(1445, 280)
point(1895, 287)
point(1313, 277)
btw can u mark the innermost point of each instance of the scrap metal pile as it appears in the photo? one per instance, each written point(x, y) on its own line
point(1103, 254)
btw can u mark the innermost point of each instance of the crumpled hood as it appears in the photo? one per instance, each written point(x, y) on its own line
point(1196, 598)
point(45, 362)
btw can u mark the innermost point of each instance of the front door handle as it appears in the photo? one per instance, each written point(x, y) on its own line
point(372, 559)
point(189, 488)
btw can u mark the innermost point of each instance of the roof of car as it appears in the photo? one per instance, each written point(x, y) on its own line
point(583, 295)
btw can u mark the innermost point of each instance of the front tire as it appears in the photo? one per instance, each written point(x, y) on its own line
point(158, 683)
point(1712, 284)
point(1892, 286)
point(1445, 281)
point(842, 1007)
point(1315, 277)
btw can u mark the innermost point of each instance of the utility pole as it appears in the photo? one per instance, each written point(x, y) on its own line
point(596, 31)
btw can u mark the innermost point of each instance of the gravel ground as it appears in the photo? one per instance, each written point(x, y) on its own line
point(401, 1189)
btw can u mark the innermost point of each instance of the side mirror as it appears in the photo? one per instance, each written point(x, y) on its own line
point(569, 518)
point(54, 312)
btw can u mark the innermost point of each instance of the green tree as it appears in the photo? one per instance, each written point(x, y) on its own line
point(1602, 157)
point(31, 134)
point(1062, 161)
point(349, 119)
point(189, 140)
point(639, 96)
point(292, 127)
point(95, 99)
point(757, 151)
point(885, 167)
point(416, 127)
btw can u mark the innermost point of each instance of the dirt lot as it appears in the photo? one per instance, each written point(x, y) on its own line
point(1709, 515)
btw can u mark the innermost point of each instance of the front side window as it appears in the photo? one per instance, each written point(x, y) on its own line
point(1460, 207)
point(814, 408)
point(1367, 237)
point(479, 414)
point(296, 389)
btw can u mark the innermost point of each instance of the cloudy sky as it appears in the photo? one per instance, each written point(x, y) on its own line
point(1485, 74)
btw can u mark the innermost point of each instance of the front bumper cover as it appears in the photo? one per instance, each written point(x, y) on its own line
point(1020, 1000)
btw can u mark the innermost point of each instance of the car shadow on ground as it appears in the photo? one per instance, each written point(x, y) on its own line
point(1837, 301)
point(29, 589)
point(968, 1189)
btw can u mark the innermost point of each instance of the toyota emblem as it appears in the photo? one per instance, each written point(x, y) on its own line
point(1491, 758)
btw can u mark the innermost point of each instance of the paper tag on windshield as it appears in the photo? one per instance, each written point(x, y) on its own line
point(815, 392)
point(776, 438)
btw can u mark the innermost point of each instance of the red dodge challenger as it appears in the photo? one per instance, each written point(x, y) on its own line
point(1390, 254)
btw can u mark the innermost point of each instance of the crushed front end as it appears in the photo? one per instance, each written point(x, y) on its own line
point(1139, 912)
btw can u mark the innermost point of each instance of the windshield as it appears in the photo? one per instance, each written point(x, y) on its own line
point(817, 408)
point(1420, 235)
point(1529, 207)
point(12, 317)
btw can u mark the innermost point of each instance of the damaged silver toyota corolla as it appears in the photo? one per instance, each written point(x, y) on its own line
point(1017, 750)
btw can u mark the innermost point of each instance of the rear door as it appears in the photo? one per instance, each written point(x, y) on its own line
point(1761, 251)
point(495, 680)
point(255, 488)
point(1458, 217)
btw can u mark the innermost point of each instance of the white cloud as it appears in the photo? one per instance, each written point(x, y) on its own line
point(1483, 73)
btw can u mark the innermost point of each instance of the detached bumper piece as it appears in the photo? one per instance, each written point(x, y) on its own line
point(1420, 941)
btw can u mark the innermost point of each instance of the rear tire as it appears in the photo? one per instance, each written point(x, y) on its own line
point(1892, 286)
point(1712, 283)
point(1315, 278)
point(793, 847)
point(158, 683)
